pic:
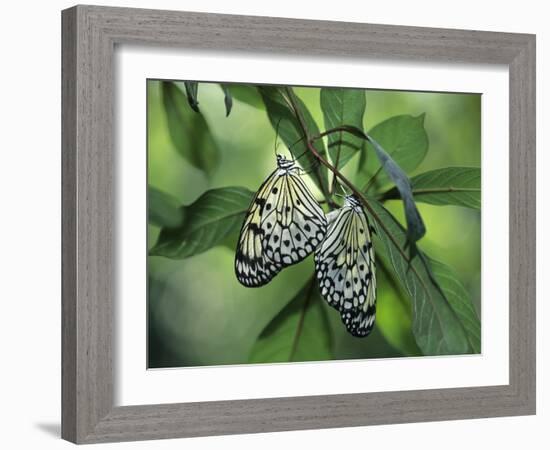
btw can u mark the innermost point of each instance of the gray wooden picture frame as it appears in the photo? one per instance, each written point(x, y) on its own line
point(90, 34)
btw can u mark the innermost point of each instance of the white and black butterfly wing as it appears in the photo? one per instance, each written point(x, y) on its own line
point(252, 267)
point(346, 271)
point(293, 223)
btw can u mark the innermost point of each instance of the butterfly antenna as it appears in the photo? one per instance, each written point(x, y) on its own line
point(276, 136)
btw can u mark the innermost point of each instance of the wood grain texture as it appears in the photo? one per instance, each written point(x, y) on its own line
point(68, 226)
point(88, 211)
point(89, 36)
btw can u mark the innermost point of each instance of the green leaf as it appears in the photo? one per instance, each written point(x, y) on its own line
point(393, 309)
point(459, 186)
point(228, 99)
point(460, 301)
point(209, 221)
point(246, 93)
point(343, 107)
point(300, 332)
point(291, 130)
point(191, 89)
point(404, 139)
point(188, 130)
point(164, 210)
point(436, 326)
point(415, 225)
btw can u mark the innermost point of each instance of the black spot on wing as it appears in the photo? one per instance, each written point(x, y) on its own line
point(348, 294)
point(295, 225)
point(251, 269)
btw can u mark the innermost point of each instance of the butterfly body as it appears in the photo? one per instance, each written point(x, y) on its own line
point(283, 225)
point(345, 267)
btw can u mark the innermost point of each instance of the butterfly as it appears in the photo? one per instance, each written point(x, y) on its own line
point(284, 224)
point(345, 268)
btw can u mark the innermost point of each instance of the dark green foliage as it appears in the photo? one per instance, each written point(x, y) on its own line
point(436, 326)
point(300, 332)
point(191, 89)
point(415, 225)
point(228, 99)
point(246, 94)
point(403, 138)
point(213, 218)
point(343, 107)
point(163, 209)
point(458, 298)
point(188, 129)
point(459, 186)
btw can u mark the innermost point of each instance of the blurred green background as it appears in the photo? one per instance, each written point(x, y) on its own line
point(198, 314)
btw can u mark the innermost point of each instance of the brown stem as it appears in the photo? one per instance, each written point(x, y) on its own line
point(356, 132)
point(367, 205)
point(351, 187)
point(348, 129)
point(336, 162)
point(363, 199)
point(359, 195)
point(294, 106)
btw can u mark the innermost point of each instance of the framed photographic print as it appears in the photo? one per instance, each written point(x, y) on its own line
point(265, 229)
